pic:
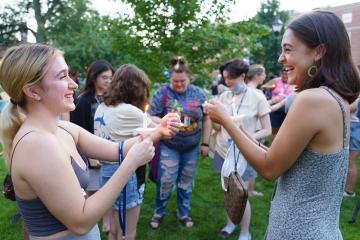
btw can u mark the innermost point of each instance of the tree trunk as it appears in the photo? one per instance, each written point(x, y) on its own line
point(40, 34)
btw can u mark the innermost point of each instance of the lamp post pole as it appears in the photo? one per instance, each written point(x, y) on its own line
point(276, 27)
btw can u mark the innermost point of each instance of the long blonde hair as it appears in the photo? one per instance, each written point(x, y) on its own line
point(22, 65)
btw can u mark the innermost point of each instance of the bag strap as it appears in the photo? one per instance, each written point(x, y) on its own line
point(122, 212)
point(236, 158)
point(12, 154)
point(164, 93)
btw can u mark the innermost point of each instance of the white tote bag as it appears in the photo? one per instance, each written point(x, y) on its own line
point(233, 154)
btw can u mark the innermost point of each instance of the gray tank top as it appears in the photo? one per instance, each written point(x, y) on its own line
point(307, 199)
point(37, 218)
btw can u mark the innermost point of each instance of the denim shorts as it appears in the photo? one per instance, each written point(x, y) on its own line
point(134, 196)
point(249, 173)
point(354, 144)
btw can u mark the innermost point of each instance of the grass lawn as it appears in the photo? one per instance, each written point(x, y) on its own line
point(207, 212)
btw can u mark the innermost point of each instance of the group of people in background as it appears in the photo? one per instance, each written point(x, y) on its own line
point(93, 171)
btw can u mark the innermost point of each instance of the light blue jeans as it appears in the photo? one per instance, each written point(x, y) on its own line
point(175, 169)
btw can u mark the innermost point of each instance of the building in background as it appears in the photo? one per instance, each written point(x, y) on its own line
point(350, 15)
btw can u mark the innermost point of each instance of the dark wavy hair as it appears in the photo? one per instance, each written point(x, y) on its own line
point(234, 68)
point(129, 85)
point(95, 69)
point(336, 68)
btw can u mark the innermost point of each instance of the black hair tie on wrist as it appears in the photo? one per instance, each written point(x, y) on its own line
point(205, 145)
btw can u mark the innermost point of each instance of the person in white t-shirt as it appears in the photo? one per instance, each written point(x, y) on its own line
point(115, 119)
point(246, 105)
point(254, 78)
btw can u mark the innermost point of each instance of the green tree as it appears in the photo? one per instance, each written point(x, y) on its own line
point(268, 49)
point(48, 14)
point(161, 29)
point(12, 23)
point(67, 24)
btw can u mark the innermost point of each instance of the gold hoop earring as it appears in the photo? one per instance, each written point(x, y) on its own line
point(312, 71)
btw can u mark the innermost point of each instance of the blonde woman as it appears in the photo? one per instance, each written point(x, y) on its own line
point(46, 157)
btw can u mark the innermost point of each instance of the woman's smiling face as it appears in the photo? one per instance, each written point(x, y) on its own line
point(296, 57)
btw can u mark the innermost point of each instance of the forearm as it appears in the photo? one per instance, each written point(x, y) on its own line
point(207, 129)
point(261, 134)
point(277, 106)
point(155, 119)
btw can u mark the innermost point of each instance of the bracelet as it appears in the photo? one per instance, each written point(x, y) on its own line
point(205, 145)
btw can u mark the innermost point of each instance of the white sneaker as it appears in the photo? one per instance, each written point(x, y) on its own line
point(346, 194)
point(244, 236)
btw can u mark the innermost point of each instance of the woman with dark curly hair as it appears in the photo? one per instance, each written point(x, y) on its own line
point(115, 119)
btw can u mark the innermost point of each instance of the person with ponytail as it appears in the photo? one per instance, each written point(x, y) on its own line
point(47, 158)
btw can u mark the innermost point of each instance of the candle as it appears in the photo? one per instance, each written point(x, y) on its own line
point(145, 122)
point(233, 107)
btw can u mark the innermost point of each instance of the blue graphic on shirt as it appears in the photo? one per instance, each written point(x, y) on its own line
point(100, 120)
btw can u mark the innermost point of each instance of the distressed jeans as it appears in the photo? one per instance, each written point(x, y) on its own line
point(175, 168)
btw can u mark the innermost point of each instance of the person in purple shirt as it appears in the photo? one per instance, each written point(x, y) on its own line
point(179, 155)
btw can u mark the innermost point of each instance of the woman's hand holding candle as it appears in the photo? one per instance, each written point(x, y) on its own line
point(217, 111)
point(168, 127)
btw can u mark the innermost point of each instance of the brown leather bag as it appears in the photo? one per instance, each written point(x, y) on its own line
point(235, 197)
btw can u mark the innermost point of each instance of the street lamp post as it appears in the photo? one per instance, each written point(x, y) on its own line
point(276, 27)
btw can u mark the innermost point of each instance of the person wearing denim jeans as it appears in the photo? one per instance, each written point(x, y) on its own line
point(175, 168)
point(179, 155)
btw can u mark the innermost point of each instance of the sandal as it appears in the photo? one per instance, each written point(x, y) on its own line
point(186, 221)
point(155, 221)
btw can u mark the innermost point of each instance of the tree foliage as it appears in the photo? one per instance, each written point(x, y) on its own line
point(270, 44)
point(161, 29)
point(49, 15)
point(68, 24)
point(149, 36)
